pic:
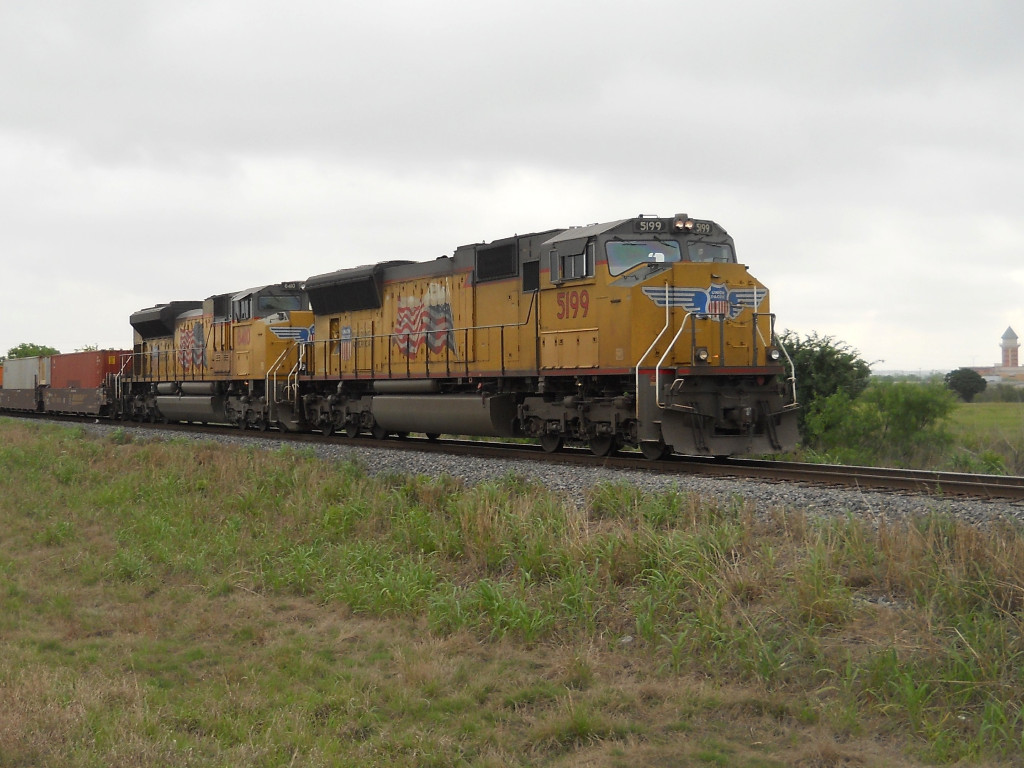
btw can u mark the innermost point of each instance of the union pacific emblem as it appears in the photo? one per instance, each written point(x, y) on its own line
point(293, 333)
point(716, 299)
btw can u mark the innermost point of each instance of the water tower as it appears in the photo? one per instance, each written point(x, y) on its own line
point(1010, 346)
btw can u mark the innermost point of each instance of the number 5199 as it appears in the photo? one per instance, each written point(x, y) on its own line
point(573, 304)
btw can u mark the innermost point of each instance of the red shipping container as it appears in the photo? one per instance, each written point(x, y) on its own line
point(84, 370)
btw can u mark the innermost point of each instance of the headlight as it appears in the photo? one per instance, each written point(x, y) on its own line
point(774, 354)
point(702, 354)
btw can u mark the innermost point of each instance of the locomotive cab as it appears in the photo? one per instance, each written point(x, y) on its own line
point(661, 311)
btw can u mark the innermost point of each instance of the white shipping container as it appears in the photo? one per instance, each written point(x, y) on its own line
point(26, 372)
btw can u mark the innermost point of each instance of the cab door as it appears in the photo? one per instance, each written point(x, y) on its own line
point(569, 338)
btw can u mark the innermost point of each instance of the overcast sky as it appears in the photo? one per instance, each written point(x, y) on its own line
point(866, 156)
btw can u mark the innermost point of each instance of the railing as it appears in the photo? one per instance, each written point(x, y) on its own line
point(451, 362)
point(792, 366)
point(291, 386)
point(657, 370)
point(668, 322)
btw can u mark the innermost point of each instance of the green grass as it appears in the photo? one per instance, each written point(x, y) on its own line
point(196, 604)
point(990, 437)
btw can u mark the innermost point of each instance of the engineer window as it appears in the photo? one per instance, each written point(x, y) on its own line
point(623, 255)
point(573, 266)
point(271, 304)
point(717, 252)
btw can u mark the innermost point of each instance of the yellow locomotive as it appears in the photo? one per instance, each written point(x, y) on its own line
point(228, 359)
point(641, 332)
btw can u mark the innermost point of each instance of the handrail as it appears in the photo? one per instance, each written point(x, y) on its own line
point(668, 350)
point(291, 386)
point(272, 370)
point(119, 376)
point(792, 366)
point(653, 343)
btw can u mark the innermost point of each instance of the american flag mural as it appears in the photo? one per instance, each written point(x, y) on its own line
point(198, 345)
point(440, 327)
point(410, 326)
point(427, 320)
point(345, 345)
point(185, 340)
point(192, 347)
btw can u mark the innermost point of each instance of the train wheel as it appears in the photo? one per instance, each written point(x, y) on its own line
point(327, 428)
point(261, 424)
point(603, 445)
point(551, 443)
point(352, 429)
point(654, 450)
point(433, 436)
point(378, 432)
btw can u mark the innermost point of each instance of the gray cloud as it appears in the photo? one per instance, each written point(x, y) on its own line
point(865, 155)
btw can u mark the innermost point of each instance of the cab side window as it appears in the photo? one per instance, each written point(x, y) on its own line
point(531, 276)
point(242, 309)
point(566, 265)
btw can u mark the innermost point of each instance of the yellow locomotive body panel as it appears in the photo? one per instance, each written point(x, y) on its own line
point(423, 327)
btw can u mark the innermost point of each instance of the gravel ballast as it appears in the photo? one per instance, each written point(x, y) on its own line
point(573, 481)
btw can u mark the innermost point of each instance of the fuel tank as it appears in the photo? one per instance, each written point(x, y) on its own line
point(452, 414)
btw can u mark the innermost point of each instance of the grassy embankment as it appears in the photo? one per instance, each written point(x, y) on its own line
point(192, 604)
point(992, 435)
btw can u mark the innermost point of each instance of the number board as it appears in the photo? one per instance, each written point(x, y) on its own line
point(652, 225)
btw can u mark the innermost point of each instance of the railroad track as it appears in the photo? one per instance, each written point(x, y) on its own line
point(874, 478)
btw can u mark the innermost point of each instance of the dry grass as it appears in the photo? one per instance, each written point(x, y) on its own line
point(198, 605)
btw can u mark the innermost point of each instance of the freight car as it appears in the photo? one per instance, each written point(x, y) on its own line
point(85, 383)
point(638, 332)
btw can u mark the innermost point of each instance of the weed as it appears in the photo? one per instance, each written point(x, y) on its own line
point(207, 605)
point(57, 532)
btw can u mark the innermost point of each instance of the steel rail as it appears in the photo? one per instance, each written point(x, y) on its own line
point(1003, 487)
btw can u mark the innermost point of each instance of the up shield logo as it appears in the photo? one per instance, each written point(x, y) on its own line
point(293, 333)
point(716, 299)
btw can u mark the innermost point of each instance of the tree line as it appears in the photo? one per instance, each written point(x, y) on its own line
point(849, 417)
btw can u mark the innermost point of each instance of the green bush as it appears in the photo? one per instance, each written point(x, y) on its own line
point(891, 422)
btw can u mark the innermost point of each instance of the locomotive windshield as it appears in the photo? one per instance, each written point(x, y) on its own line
point(270, 304)
point(626, 254)
point(701, 251)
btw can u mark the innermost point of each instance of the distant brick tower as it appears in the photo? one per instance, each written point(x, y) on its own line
point(1010, 346)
